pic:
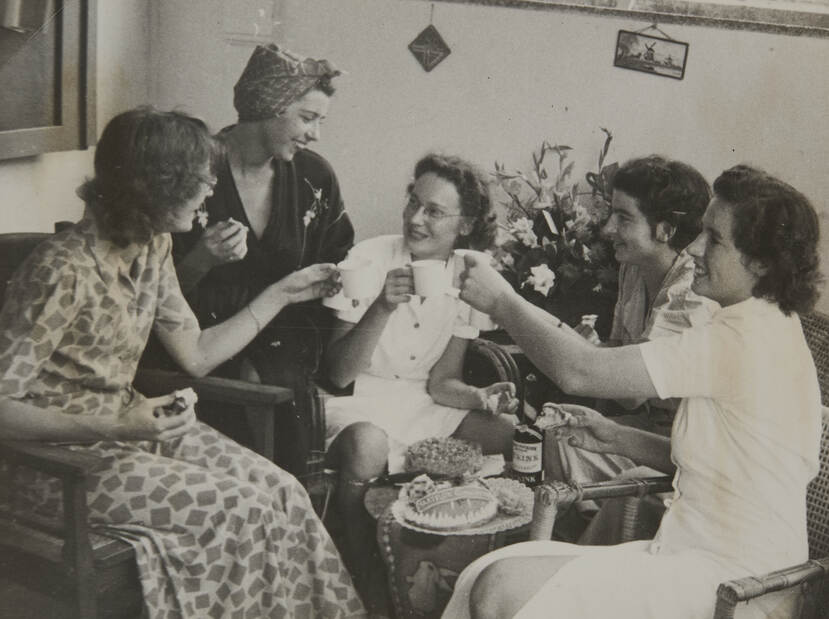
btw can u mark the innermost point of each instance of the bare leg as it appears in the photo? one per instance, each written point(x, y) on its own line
point(492, 432)
point(504, 587)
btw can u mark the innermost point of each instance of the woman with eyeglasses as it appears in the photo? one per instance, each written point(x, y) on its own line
point(218, 530)
point(405, 353)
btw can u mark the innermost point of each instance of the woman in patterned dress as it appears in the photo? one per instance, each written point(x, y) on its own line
point(218, 530)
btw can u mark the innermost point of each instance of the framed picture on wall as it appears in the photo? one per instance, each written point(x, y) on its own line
point(656, 55)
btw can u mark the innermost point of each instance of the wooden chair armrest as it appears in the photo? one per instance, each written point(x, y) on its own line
point(554, 496)
point(53, 460)
point(213, 388)
point(71, 468)
point(732, 592)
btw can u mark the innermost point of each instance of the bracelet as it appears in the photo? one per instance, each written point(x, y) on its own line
point(255, 319)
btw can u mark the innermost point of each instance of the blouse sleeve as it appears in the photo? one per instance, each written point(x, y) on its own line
point(41, 301)
point(708, 361)
point(172, 311)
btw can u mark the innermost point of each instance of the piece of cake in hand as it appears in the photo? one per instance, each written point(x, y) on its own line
point(184, 399)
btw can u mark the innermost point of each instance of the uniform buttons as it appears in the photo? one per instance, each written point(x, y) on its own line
point(412, 357)
point(417, 325)
point(396, 376)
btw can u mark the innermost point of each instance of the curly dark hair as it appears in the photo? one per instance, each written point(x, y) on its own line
point(669, 191)
point(147, 163)
point(777, 226)
point(473, 188)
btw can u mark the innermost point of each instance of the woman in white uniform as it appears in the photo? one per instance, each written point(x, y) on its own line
point(405, 353)
point(745, 439)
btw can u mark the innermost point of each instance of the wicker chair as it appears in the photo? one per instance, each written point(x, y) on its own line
point(811, 576)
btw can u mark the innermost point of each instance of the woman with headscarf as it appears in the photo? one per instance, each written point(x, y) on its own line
point(218, 531)
point(276, 208)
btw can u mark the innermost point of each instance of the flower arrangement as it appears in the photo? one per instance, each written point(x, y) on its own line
point(550, 248)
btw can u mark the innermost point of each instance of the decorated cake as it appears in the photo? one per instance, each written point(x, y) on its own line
point(448, 457)
point(445, 506)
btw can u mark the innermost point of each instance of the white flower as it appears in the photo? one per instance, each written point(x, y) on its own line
point(308, 217)
point(541, 278)
point(585, 252)
point(201, 216)
point(522, 229)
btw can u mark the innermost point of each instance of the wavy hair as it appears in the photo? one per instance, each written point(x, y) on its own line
point(147, 164)
point(475, 199)
point(777, 226)
point(666, 191)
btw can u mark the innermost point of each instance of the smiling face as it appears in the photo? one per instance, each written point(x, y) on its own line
point(721, 271)
point(297, 126)
point(628, 229)
point(432, 219)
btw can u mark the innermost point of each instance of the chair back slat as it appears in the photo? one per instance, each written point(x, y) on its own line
point(817, 499)
point(816, 331)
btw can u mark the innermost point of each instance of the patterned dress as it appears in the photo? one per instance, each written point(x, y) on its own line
point(218, 530)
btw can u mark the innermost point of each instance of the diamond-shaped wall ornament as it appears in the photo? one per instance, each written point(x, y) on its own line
point(429, 48)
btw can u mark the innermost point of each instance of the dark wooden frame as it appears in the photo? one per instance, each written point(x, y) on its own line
point(76, 128)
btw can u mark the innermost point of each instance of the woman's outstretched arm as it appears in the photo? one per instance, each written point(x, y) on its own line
point(575, 365)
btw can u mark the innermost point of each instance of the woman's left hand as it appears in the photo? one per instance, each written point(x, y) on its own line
point(500, 398)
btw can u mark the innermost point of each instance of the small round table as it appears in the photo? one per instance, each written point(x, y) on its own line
point(421, 567)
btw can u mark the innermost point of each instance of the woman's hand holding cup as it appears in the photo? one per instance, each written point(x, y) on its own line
point(481, 285)
point(398, 288)
point(312, 282)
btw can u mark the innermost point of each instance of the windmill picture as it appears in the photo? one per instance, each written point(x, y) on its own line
point(655, 55)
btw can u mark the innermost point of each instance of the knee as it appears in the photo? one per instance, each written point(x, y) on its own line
point(487, 593)
point(364, 450)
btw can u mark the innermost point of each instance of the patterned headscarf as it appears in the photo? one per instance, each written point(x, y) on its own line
point(273, 79)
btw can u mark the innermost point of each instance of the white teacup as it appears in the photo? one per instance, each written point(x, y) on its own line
point(458, 258)
point(356, 277)
point(429, 277)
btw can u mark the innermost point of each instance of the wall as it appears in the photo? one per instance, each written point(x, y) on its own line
point(37, 191)
point(514, 78)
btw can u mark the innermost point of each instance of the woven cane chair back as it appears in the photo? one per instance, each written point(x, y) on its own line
point(817, 499)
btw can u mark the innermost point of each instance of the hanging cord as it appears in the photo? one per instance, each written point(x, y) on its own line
point(432, 14)
point(654, 26)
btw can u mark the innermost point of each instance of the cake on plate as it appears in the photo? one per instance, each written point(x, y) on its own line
point(443, 506)
point(450, 457)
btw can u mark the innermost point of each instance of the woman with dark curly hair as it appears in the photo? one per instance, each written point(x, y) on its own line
point(745, 440)
point(405, 355)
point(218, 530)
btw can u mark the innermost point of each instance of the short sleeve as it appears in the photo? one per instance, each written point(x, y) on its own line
point(42, 300)
point(462, 328)
point(172, 311)
point(703, 361)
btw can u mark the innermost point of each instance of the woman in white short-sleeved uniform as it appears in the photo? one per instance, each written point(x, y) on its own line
point(744, 442)
point(405, 353)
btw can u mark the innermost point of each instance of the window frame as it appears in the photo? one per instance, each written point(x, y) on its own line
point(690, 12)
point(75, 129)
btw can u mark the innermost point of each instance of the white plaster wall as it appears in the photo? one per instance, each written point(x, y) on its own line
point(37, 191)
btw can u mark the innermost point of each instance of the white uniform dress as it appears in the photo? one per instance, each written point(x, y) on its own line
point(745, 441)
point(391, 393)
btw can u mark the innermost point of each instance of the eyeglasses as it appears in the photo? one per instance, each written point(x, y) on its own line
point(430, 211)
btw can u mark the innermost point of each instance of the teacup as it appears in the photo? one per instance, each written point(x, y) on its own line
point(429, 277)
point(356, 277)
